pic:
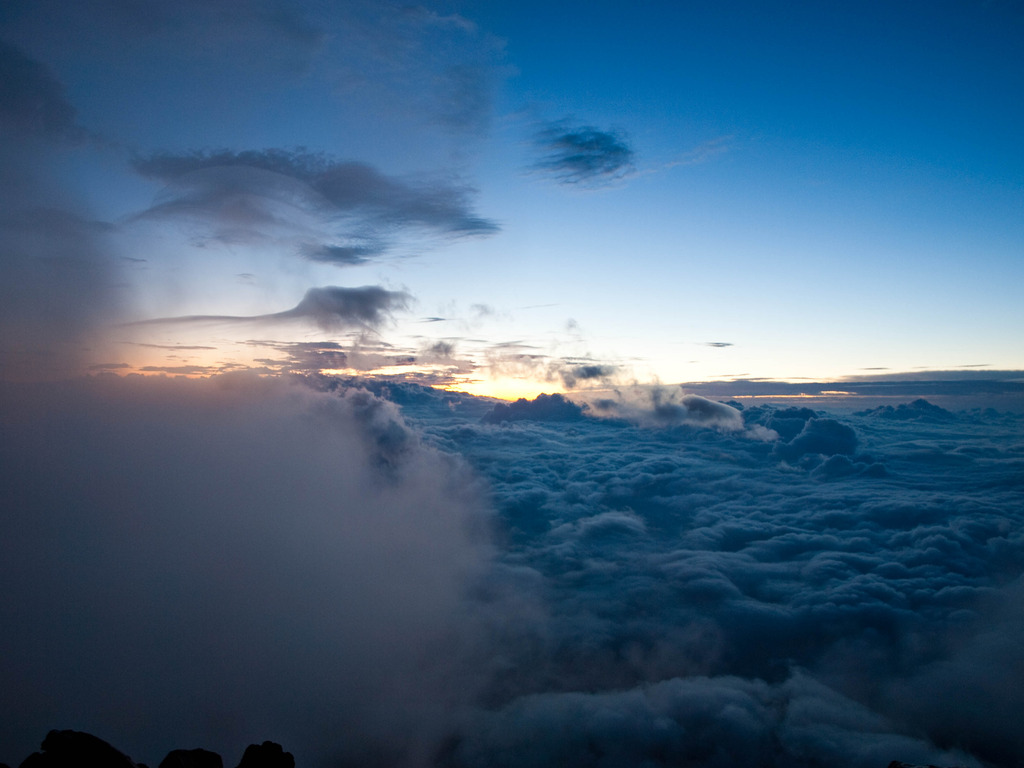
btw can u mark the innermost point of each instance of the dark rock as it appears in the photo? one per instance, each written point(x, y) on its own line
point(75, 749)
point(192, 758)
point(266, 755)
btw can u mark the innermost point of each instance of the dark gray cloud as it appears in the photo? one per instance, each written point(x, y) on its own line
point(268, 36)
point(275, 193)
point(342, 255)
point(572, 375)
point(32, 100)
point(543, 407)
point(57, 275)
point(826, 437)
point(582, 155)
point(331, 307)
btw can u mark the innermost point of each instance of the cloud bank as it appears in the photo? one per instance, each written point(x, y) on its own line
point(230, 560)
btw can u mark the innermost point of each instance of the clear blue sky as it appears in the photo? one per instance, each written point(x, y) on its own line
point(675, 191)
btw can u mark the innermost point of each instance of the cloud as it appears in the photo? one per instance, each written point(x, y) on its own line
point(330, 307)
point(342, 255)
point(825, 436)
point(543, 407)
point(32, 100)
point(268, 36)
point(572, 375)
point(681, 593)
point(703, 152)
point(582, 155)
point(804, 610)
point(275, 193)
point(57, 272)
point(918, 410)
point(714, 722)
point(661, 407)
point(221, 561)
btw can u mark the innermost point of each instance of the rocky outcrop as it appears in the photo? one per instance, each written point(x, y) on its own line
point(266, 755)
point(192, 758)
point(75, 749)
point(72, 749)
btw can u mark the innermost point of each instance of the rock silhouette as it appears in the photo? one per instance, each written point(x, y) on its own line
point(266, 755)
point(76, 749)
point(192, 758)
point(72, 749)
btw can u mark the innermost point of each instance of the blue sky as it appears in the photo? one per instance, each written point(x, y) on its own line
point(816, 190)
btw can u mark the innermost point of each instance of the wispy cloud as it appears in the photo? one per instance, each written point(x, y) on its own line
point(294, 194)
point(582, 154)
point(330, 307)
point(32, 101)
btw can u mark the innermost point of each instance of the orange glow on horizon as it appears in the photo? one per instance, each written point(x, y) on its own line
point(505, 388)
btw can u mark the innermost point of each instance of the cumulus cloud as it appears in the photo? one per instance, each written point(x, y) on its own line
point(330, 307)
point(708, 600)
point(713, 722)
point(658, 406)
point(582, 155)
point(675, 594)
point(918, 410)
point(543, 407)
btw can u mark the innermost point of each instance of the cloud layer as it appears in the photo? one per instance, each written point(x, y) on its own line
point(807, 589)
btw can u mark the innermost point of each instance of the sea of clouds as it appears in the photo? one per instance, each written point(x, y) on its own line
point(410, 577)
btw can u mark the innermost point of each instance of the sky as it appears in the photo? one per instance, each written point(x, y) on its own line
point(273, 274)
point(679, 193)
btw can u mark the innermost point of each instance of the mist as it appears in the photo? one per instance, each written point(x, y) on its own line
point(226, 561)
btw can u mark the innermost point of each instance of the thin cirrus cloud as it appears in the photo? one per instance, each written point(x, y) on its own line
point(331, 307)
point(582, 155)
